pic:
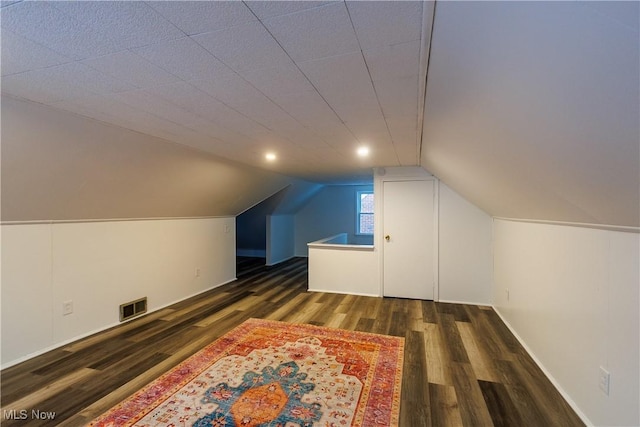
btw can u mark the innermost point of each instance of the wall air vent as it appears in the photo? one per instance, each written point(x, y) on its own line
point(133, 309)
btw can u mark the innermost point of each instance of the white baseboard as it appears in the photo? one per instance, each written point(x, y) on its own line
point(483, 304)
point(555, 383)
point(345, 293)
point(112, 325)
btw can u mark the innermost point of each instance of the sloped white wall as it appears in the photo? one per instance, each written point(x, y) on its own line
point(465, 257)
point(573, 301)
point(532, 108)
point(280, 238)
point(98, 266)
point(60, 166)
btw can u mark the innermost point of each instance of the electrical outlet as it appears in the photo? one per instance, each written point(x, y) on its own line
point(605, 378)
point(67, 308)
point(197, 273)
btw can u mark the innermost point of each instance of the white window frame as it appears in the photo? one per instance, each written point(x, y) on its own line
point(358, 212)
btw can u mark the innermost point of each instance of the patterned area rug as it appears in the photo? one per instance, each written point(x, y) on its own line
point(266, 373)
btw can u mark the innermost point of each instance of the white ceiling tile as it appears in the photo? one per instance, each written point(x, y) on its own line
point(398, 97)
point(382, 23)
point(220, 113)
point(131, 68)
point(299, 134)
point(375, 133)
point(184, 95)
point(115, 112)
point(267, 9)
point(307, 140)
point(231, 90)
point(20, 54)
point(626, 12)
point(315, 33)
point(408, 156)
point(405, 139)
point(153, 104)
point(82, 76)
point(387, 157)
point(44, 24)
point(66, 81)
point(343, 81)
point(101, 108)
point(368, 130)
point(278, 81)
point(336, 73)
point(195, 17)
point(309, 108)
point(265, 112)
point(232, 151)
point(128, 23)
point(36, 86)
point(244, 47)
point(394, 61)
point(374, 148)
point(337, 136)
point(185, 59)
point(5, 3)
point(210, 129)
point(168, 130)
point(404, 130)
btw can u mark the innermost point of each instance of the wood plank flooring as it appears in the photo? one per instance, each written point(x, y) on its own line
point(462, 366)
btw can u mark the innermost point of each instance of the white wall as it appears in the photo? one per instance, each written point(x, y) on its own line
point(280, 238)
point(532, 108)
point(60, 166)
point(344, 270)
point(464, 240)
point(573, 300)
point(100, 265)
point(465, 257)
point(331, 211)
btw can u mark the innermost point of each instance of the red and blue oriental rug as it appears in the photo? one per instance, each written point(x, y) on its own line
point(267, 373)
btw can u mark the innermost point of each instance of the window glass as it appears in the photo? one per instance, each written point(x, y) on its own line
point(365, 212)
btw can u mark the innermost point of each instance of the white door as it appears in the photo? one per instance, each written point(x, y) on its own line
point(408, 239)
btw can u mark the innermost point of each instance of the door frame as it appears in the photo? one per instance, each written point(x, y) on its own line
point(383, 175)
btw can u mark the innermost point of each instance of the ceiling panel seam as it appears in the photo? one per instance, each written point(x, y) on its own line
point(268, 128)
point(306, 77)
point(386, 124)
point(425, 58)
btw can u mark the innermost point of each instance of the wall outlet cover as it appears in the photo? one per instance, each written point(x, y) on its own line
point(67, 308)
point(604, 380)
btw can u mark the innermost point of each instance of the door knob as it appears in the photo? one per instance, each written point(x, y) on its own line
point(387, 237)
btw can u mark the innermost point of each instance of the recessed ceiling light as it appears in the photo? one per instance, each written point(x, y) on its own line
point(363, 151)
point(270, 156)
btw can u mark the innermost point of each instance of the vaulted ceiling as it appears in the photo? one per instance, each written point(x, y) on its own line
point(533, 108)
point(528, 109)
point(308, 80)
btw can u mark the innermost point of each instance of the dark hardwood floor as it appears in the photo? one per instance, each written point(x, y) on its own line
point(462, 367)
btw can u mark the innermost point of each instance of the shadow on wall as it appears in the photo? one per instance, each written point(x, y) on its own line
point(251, 225)
point(312, 211)
point(332, 211)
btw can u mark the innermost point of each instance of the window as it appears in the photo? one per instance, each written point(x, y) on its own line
point(364, 213)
